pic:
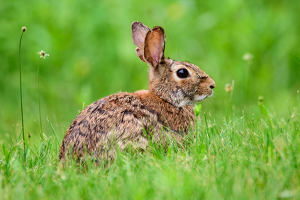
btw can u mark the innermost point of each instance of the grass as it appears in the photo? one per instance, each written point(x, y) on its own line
point(21, 91)
point(247, 158)
point(246, 144)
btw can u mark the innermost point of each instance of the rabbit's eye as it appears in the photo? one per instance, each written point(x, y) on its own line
point(182, 73)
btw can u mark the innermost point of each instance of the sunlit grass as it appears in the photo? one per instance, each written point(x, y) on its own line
point(256, 158)
point(246, 142)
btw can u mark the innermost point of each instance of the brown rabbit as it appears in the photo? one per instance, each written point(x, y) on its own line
point(165, 110)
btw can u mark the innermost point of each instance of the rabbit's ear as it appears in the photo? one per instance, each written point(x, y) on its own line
point(139, 31)
point(154, 46)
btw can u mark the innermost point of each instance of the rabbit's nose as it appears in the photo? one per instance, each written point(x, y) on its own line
point(212, 84)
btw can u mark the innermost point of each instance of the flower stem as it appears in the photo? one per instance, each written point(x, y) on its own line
point(39, 100)
point(22, 117)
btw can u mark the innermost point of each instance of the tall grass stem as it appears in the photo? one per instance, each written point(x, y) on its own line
point(21, 99)
point(247, 74)
point(39, 100)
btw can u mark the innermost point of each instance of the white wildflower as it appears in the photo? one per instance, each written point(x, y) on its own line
point(248, 57)
point(43, 54)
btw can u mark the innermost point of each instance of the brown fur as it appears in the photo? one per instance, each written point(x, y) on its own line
point(135, 118)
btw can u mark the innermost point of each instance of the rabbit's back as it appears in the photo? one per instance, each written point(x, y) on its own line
point(126, 118)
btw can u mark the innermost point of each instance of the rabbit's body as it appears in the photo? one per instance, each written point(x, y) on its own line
point(126, 118)
point(165, 110)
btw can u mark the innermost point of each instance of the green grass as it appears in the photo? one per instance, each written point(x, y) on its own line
point(245, 158)
point(246, 145)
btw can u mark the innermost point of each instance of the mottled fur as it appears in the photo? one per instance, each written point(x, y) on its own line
point(165, 110)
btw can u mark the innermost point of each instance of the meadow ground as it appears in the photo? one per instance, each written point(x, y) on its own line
point(246, 144)
point(245, 158)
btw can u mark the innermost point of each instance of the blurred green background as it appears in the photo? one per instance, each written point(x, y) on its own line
point(92, 54)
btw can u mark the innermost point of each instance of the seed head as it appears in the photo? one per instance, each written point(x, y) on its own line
point(24, 29)
point(228, 87)
point(260, 100)
point(43, 54)
point(248, 57)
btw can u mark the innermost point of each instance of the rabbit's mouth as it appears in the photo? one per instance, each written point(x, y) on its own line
point(193, 101)
point(201, 97)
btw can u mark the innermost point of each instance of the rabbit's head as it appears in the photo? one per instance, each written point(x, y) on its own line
point(178, 83)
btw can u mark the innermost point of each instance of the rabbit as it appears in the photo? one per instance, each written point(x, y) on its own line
point(163, 111)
